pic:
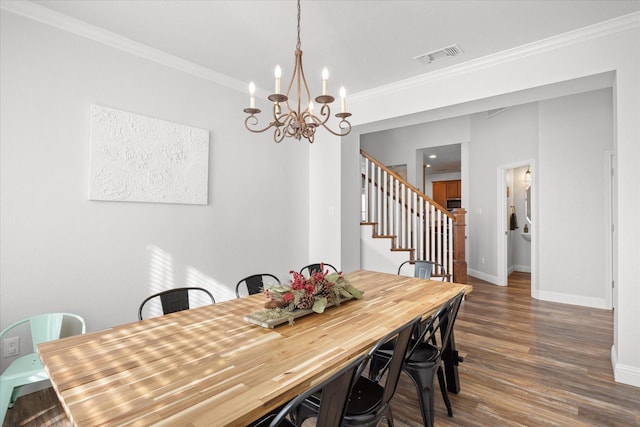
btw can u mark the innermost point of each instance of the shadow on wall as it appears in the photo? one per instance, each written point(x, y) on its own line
point(162, 276)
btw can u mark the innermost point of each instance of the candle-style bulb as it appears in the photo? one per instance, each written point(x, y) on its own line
point(343, 99)
point(278, 73)
point(310, 107)
point(325, 77)
point(252, 97)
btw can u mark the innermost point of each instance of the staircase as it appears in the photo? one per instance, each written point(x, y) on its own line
point(411, 222)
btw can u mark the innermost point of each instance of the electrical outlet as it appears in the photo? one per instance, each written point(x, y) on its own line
point(11, 346)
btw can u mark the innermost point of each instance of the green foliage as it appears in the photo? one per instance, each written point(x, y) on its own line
point(320, 304)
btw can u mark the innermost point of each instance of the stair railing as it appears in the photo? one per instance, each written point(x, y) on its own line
point(413, 221)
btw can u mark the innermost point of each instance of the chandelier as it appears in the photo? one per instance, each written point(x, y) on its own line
point(300, 121)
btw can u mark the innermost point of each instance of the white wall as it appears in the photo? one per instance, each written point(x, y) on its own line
point(613, 46)
point(324, 203)
point(376, 254)
point(61, 252)
point(400, 145)
point(496, 142)
point(575, 134)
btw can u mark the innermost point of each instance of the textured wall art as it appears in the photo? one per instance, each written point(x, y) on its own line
point(140, 159)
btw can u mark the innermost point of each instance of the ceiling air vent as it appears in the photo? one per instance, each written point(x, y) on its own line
point(441, 53)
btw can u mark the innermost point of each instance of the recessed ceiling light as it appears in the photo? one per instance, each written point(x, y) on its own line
point(432, 156)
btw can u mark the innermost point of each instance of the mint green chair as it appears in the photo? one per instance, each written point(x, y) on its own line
point(28, 369)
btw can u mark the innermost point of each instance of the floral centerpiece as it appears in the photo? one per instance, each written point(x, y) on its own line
point(314, 293)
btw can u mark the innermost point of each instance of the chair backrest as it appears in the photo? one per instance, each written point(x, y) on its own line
point(307, 270)
point(177, 299)
point(439, 325)
point(334, 396)
point(424, 269)
point(254, 283)
point(454, 307)
point(401, 337)
point(45, 327)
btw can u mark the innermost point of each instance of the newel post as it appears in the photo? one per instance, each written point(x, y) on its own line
point(459, 237)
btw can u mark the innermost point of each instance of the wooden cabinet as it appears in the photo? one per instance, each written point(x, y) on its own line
point(440, 193)
point(453, 189)
point(443, 190)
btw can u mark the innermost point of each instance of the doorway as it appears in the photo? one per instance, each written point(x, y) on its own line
point(516, 224)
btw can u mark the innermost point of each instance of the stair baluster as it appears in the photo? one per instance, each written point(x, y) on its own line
point(413, 221)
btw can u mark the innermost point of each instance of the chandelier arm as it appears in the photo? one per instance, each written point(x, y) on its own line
point(344, 125)
point(323, 118)
point(254, 122)
point(278, 135)
point(294, 75)
point(302, 79)
point(277, 110)
point(288, 127)
point(309, 133)
point(278, 117)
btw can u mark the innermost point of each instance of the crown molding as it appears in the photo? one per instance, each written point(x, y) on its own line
point(75, 26)
point(63, 22)
point(601, 29)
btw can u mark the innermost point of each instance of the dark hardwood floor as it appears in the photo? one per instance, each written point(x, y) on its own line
point(527, 363)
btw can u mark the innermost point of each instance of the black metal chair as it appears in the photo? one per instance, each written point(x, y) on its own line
point(254, 283)
point(173, 300)
point(333, 394)
point(425, 269)
point(423, 360)
point(311, 268)
point(369, 402)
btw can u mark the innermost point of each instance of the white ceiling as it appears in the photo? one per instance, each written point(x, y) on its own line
point(365, 44)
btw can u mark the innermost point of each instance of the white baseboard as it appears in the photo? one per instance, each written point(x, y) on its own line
point(572, 299)
point(483, 276)
point(624, 374)
point(522, 268)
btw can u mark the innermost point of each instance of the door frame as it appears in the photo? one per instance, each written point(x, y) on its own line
point(610, 228)
point(503, 227)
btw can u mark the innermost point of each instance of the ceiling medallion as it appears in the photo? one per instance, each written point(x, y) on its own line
point(295, 122)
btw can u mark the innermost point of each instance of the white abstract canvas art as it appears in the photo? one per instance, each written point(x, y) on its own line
point(141, 159)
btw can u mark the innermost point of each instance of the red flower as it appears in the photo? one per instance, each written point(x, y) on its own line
point(288, 296)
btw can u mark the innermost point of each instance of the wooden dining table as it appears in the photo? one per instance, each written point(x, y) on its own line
point(208, 367)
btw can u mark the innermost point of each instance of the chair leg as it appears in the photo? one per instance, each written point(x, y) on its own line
point(443, 390)
point(14, 395)
point(389, 417)
point(424, 379)
point(6, 393)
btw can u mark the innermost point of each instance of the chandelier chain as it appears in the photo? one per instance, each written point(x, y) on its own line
point(298, 45)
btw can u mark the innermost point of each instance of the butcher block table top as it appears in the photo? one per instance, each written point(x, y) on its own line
point(208, 367)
